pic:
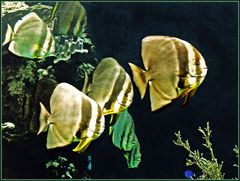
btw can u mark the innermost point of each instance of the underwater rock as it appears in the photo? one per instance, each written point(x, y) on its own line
point(10, 7)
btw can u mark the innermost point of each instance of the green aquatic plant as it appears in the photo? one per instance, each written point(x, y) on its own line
point(46, 73)
point(236, 150)
point(210, 168)
point(66, 45)
point(61, 168)
point(15, 87)
point(25, 74)
point(84, 68)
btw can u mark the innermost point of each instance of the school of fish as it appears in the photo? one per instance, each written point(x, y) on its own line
point(173, 69)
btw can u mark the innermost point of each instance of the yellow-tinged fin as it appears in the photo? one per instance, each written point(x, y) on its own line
point(9, 35)
point(188, 97)
point(43, 118)
point(83, 144)
point(139, 78)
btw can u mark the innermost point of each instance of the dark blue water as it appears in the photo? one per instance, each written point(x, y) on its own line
point(116, 29)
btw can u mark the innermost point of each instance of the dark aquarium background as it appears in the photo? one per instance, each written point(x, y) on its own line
point(116, 29)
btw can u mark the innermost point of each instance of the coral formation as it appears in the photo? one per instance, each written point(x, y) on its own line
point(210, 168)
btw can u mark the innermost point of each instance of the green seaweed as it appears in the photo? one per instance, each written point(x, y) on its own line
point(66, 45)
point(84, 68)
point(124, 138)
point(236, 150)
point(61, 168)
point(210, 168)
point(46, 73)
point(25, 74)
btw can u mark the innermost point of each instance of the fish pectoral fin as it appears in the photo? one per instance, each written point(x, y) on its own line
point(83, 144)
point(8, 36)
point(139, 78)
point(188, 97)
point(43, 118)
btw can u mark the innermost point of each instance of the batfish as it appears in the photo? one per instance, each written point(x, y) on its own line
point(174, 69)
point(31, 38)
point(111, 87)
point(71, 112)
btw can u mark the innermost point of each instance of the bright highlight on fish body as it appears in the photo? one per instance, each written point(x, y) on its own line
point(174, 69)
point(111, 87)
point(31, 38)
point(70, 19)
point(71, 112)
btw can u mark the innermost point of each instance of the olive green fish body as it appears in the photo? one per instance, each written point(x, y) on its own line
point(31, 38)
point(174, 69)
point(71, 112)
point(70, 19)
point(111, 87)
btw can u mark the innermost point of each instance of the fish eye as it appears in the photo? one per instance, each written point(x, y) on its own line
point(197, 62)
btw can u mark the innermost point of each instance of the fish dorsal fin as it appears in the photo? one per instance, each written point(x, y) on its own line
point(27, 21)
point(155, 49)
point(9, 35)
point(139, 77)
point(43, 118)
point(85, 84)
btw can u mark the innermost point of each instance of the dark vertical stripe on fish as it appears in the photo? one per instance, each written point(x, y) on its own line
point(182, 55)
point(127, 92)
point(74, 20)
point(198, 69)
point(98, 121)
point(41, 40)
point(86, 117)
point(49, 43)
point(117, 86)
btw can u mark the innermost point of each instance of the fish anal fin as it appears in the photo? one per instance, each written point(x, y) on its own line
point(56, 137)
point(43, 118)
point(83, 144)
point(139, 78)
point(157, 98)
point(9, 35)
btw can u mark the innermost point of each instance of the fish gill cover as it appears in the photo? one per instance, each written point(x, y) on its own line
point(66, 75)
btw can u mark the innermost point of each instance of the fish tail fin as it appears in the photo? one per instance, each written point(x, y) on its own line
point(9, 35)
point(43, 118)
point(139, 78)
point(83, 144)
